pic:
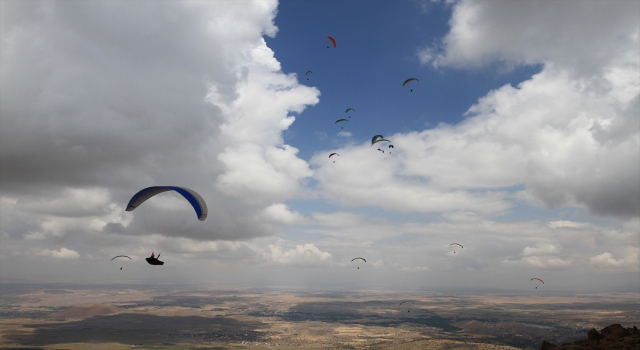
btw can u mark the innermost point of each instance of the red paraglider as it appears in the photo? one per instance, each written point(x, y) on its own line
point(333, 41)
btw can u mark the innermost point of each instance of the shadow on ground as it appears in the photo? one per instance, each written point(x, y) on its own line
point(141, 328)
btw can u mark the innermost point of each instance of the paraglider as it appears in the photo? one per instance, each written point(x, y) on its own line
point(333, 41)
point(334, 154)
point(154, 260)
point(456, 244)
point(349, 109)
point(407, 301)
point(121, 256)
point(307, 74)
point(341, 120)
point(357, 259)
point(535, 278)
point(194, 198)
point(408, 81)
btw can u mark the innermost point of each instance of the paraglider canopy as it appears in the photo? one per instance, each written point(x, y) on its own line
point(121, 256)
point(341, 120)
point(409, 80)
point(535, 278)
point(194, 198)
point(334, 154)
point(333, 41)
point(309, 72)
point(358, 258)
point(457, 244)
point(380, 140)
point(349, 109)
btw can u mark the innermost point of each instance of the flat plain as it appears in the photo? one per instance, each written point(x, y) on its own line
point(177, 317)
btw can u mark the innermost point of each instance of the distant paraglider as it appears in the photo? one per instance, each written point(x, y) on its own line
point(333, 41)
point(341, 120)
point(121, 256)
point(349, 109)
point(408, 81)
point(535, 278)
point(307, 74)
point(456, 244)
point(407, 301)
point(375, 138)
point(334, 154)
point(357, 259)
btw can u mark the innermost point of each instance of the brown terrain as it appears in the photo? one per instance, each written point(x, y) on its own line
point(166, 318)
point(611, 337)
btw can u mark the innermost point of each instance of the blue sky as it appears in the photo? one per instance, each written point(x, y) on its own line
point(520, 141)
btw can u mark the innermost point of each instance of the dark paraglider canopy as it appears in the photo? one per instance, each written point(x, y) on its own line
point(121, 256)
point(375, 138)
point(308, 72)
point(340, 120)
point(334, 154)
point(192, 196)
point(391, 146)
point(535, 278)
point(358, 258)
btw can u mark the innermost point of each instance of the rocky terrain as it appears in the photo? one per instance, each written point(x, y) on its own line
point(611, 337)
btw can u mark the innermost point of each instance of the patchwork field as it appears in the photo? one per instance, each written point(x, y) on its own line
point(96, 317)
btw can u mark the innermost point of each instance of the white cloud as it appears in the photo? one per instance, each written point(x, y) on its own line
point(107, 102)
point(542, 249)
point(301, 255)
point(629, 260)
point(62, 253)
point(586, 36)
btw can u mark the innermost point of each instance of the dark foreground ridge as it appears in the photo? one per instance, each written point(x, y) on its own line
point(611, 337)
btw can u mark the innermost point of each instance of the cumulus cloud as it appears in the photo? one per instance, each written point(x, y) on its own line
point(62, 253)
point(587, 36)
point(107, 102)
point(301, 255)
point(628, 260)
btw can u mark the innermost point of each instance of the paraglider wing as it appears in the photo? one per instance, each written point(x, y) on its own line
point(409, 80)
point(154, 261)
point(373, 140)
point(121, 256)
point(340, 120)
point(349, 109)
point(333, 154)
point(408, 301)
point(194, 198)
point(333, 41)
point(380, 140)
point(391, 146)
point(309, 72)
point(535, 278)
point(358, 258)
point(457, 244)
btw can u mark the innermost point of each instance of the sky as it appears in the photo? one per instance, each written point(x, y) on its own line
point(520, 141)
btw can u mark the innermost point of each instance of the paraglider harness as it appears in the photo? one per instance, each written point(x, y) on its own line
point(154, 261)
